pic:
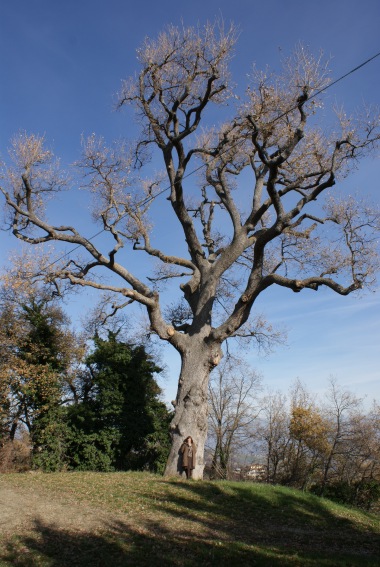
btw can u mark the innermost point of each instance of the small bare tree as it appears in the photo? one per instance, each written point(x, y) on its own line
point(240, 238)
point(272, 434)
point(341, 407)
point(233, 408)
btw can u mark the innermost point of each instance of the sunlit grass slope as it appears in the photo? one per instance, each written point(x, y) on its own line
point(147, 520)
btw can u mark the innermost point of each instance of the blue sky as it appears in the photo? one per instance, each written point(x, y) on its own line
point(62, 62)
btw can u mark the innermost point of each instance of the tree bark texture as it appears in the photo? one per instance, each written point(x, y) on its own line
point(191, 405)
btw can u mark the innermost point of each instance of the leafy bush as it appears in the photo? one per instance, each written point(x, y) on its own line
point(363, 494)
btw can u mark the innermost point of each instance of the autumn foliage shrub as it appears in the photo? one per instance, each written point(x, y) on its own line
point(15, 456)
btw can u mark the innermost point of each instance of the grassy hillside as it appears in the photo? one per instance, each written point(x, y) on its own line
point(98, 519)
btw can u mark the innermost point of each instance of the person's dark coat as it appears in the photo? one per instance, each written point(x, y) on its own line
point(185, 458)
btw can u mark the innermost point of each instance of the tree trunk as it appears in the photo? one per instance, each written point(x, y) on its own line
point(191, 405)
point(13, 430)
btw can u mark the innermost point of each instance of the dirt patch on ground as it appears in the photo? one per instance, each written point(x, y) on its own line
point(20, 510)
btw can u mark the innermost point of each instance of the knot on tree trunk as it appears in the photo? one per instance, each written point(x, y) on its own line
point(298, 285)
point(214, 359)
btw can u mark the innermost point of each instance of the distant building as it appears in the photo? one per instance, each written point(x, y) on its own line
point(256, 472)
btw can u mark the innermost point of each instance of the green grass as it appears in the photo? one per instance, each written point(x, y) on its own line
point(154, 521)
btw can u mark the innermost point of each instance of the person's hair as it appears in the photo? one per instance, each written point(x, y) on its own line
point(189, 437)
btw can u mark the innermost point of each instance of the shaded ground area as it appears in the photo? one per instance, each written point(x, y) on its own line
point(20, 510)
point(121, 519)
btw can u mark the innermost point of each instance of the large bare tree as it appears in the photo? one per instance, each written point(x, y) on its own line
point(255, 220)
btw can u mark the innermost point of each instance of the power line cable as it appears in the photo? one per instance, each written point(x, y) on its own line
point(186, 176)
point(274, 120)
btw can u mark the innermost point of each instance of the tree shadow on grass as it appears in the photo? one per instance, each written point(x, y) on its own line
point(207, 524)
point(284, 519)
point(124, 546)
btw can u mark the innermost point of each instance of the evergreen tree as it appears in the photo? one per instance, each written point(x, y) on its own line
point(122, 424)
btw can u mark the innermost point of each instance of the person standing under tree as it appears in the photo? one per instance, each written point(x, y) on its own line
point(189, 451)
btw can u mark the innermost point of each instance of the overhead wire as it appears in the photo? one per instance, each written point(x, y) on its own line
point(186, 176)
